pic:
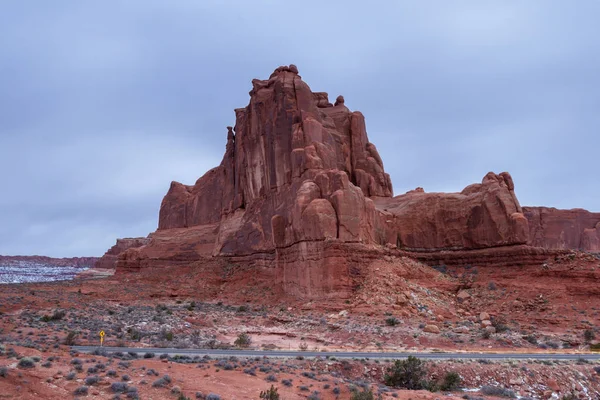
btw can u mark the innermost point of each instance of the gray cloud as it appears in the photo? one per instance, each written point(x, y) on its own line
point(103, 105)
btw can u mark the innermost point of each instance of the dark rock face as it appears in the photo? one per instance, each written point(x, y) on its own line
point(301, 188)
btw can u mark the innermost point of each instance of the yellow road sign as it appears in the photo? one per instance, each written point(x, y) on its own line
point(102, 333)
point(102, 337)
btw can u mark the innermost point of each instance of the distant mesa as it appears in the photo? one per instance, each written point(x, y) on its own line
point(303, 194)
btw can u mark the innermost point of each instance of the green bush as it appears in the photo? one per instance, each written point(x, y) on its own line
point(391, 321)
point(451, 381)
point(243, 340)
point(270, 394)
point(406, 374)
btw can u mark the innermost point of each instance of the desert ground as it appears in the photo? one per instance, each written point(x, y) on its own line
point(402, 306)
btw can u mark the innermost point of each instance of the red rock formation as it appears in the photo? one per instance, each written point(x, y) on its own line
point(302, 193)
point(109, 259)
point(285, 140)
point(551, 228)
point(481, 216)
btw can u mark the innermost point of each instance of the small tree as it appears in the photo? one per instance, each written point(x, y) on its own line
point(589, 335)
point(243, 340)
point(408, 374)
point(270, 394)
point(451, 381)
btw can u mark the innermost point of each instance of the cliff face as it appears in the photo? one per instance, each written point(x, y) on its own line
point(576, 229)
point(301, 188)
point(284, 141)
point(109, 259)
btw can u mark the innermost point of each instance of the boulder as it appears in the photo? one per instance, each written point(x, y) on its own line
point(431, 329)
point(462, 296)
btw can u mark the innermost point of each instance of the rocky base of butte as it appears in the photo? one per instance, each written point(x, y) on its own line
point(302, 195)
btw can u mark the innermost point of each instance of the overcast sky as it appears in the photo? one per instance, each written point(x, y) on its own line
point(104, 103)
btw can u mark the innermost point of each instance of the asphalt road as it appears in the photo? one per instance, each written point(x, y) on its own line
point(382, 355)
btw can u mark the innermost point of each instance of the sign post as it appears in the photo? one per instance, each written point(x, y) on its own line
point(101, 338)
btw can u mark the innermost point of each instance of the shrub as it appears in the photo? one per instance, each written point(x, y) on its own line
point(288, 382)
point(492, 286)
point(242, 309)
point(336, 390)
point(531, 339)
point(497, 391)
point(3, 372)
point(314, 396)
point(168, 336)
point(406, 374)
point(391, 321)
point(303, 346)
point(70, 376)
point(451, 381)
point(212, 396)
point(271, 378)
point(149, 355)
point(26, 362)
point(430, 385)
point(162, 382)
point(499, 324)
point(589, 335)
point(132, 393)
point(364, 395)
point(57, 316)
point(81, 391)
point(70, 339)
point(135, 335)
point(118, 387)
point(92, 380)
point(243, 340)
point(595, 347)
point(270, 394)
point(111, 372)
point(161, 307)
point(126, 378)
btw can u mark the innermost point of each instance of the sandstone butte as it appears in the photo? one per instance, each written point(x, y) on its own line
point(303, 194)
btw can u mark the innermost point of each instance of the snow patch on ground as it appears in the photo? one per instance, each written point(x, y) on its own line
point(27, 271)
